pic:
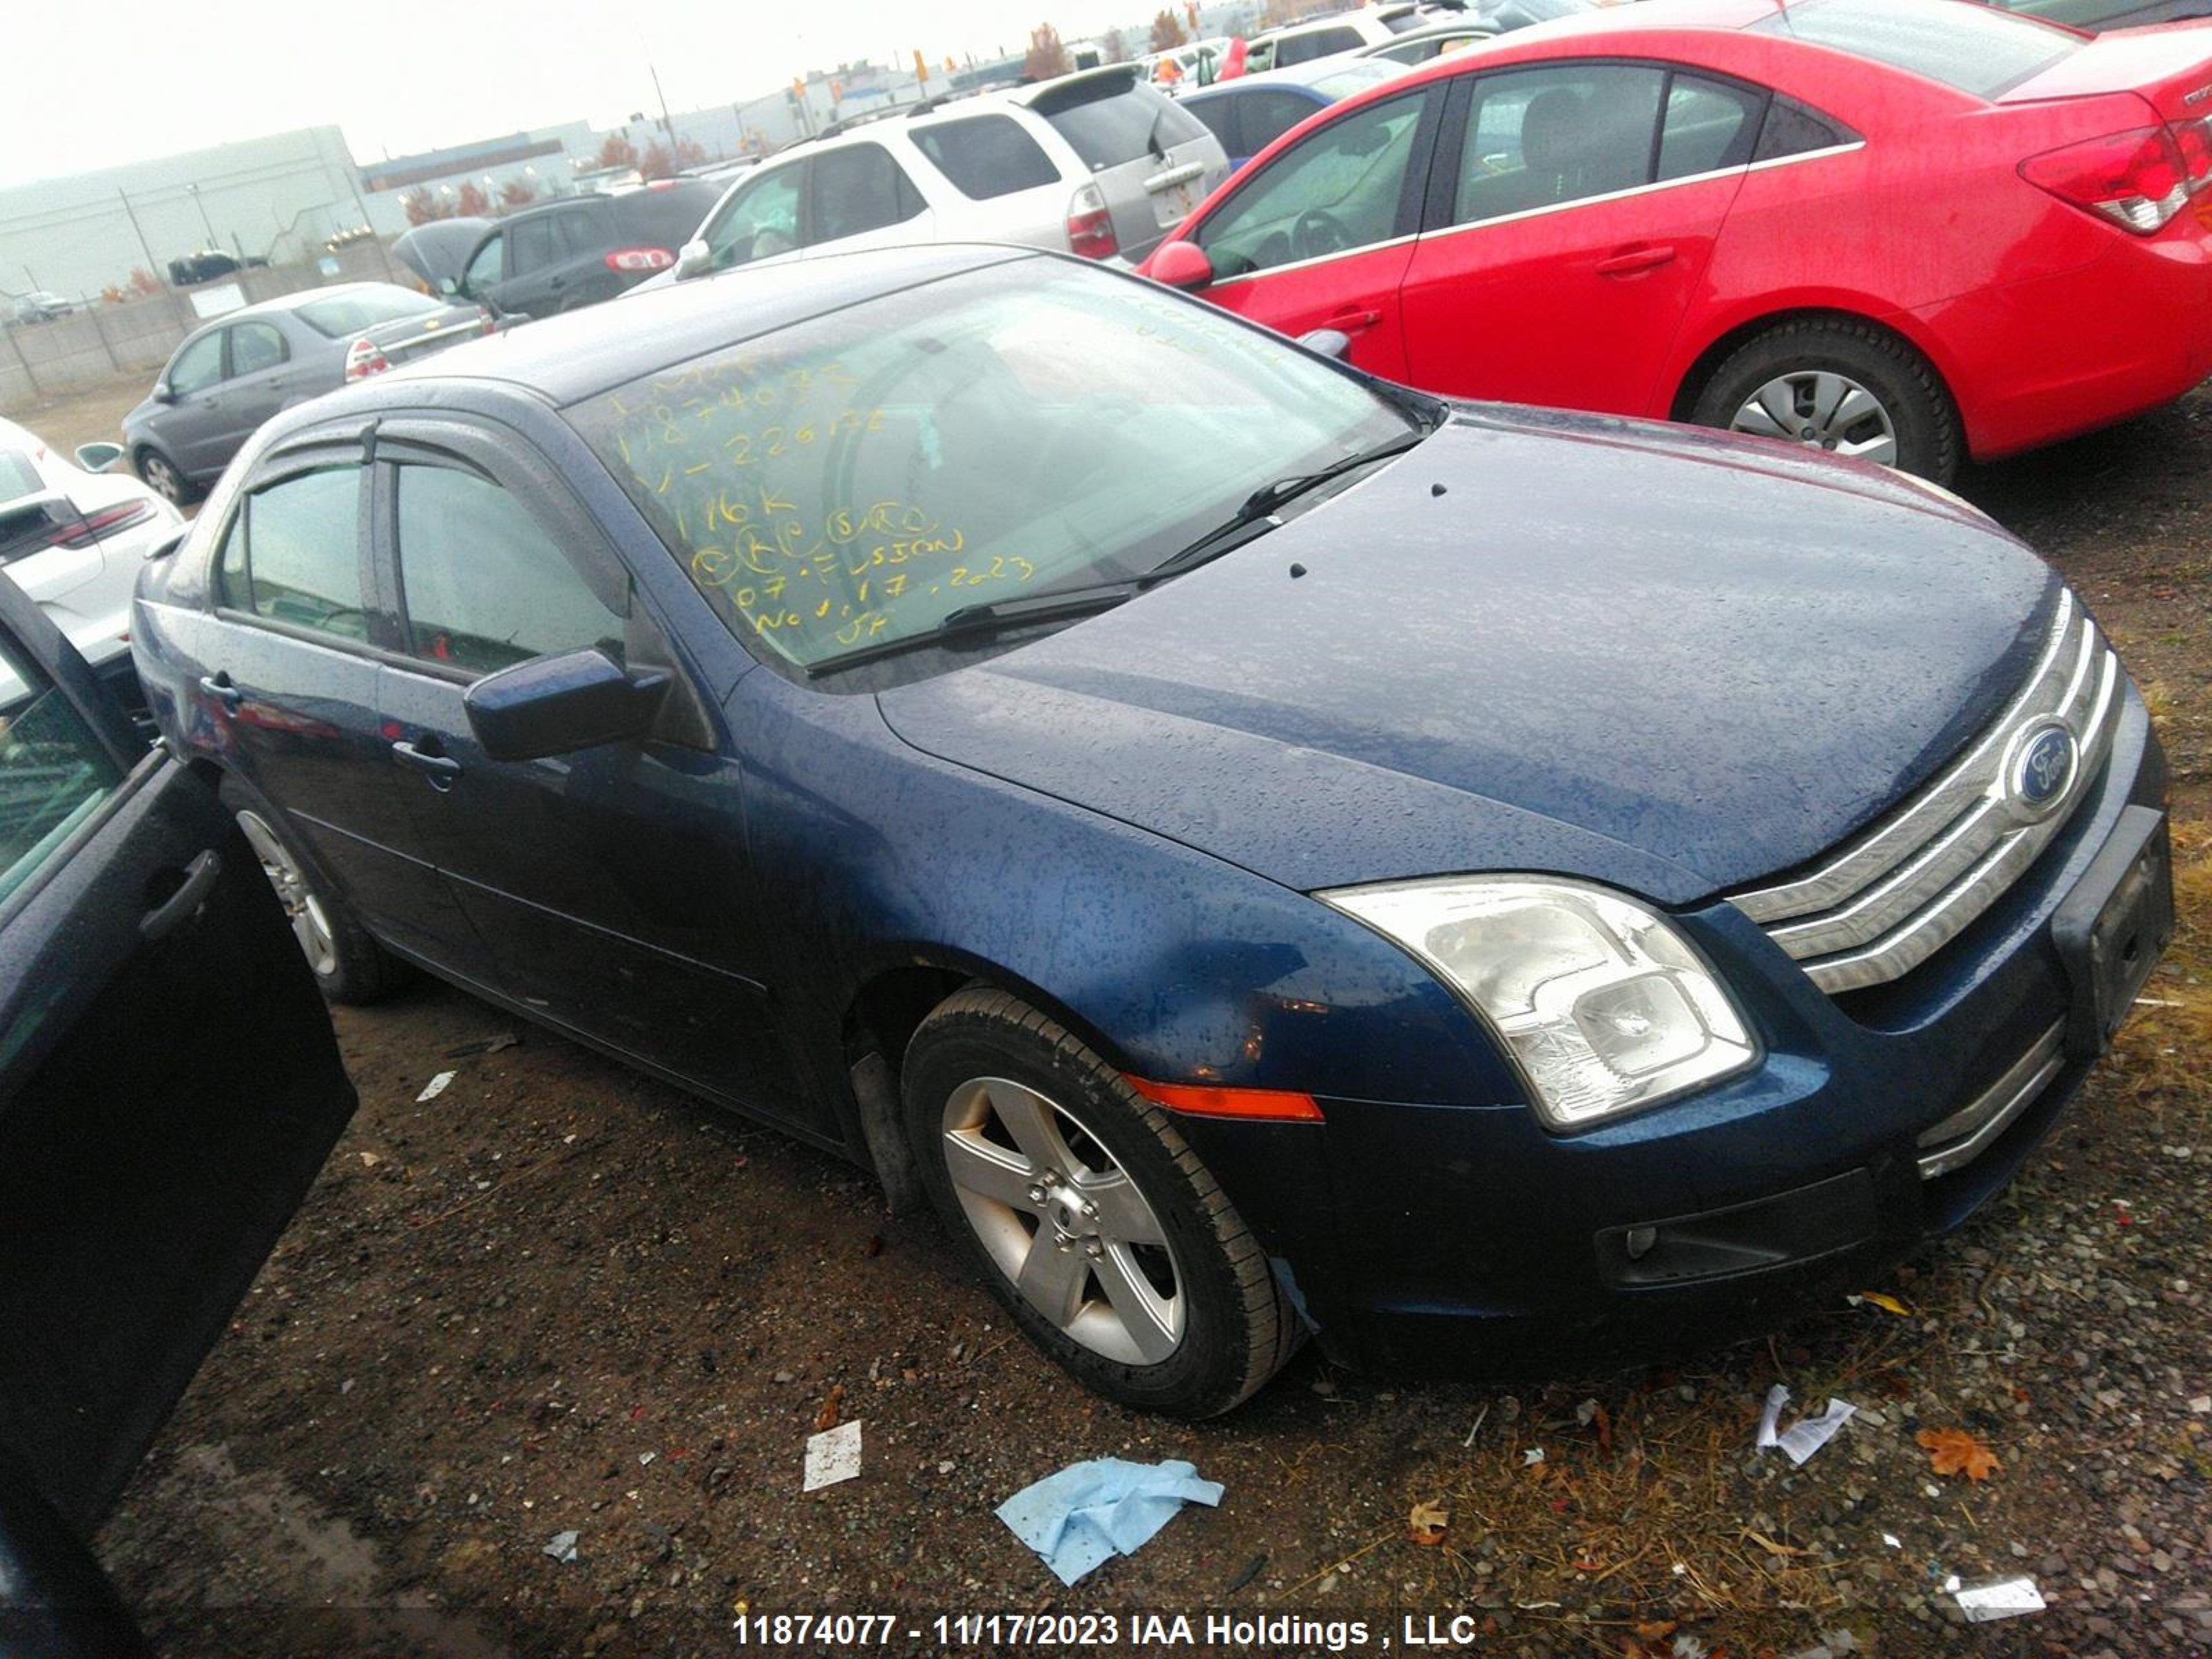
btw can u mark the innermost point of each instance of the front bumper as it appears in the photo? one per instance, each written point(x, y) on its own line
point(1467, 1240)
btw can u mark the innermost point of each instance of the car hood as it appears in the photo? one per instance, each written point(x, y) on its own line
point(1663, 659)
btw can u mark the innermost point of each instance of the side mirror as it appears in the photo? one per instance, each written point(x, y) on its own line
point(98, 458)
point(557, 705)
point(162, 546)
point(694, 259)
point(450, 285)
point(1182, 264)
point(162, 394)
point(1329, 342)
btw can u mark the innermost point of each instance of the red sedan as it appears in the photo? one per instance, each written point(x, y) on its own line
point(1908, 230)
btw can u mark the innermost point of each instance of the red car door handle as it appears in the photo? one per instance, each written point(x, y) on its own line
point(1635, 259)
point(1352, 319)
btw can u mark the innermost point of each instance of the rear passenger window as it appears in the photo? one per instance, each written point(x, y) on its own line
point(1793, 129)
point(986, 156)
point(1710, 125)
point(1110, 122)
point(1268, 115)
point(485, 586)
point(293, 554)
point(1539, 137)
point(530, 245)
point(857, 190)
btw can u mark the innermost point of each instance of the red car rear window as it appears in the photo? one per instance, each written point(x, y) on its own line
point(1974, 48)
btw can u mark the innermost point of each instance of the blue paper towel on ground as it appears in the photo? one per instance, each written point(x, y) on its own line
point(1105, 1507)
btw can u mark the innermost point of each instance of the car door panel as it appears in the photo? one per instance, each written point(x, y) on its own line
point(262, 375)
point(1322, 237)
point(196, 423)
point(169, 1085)
point(607, 884)
point(293, 715)
point(1576, 302)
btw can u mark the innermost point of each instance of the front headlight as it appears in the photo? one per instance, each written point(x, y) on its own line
point(1604, 1007)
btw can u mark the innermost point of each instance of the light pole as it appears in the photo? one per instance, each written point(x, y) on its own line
point(207, 224)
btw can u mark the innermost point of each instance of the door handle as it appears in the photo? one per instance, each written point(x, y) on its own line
point(218, 686)
point(440, 770)
point(1635, 259)
point(1351, 320)
point(184, 904)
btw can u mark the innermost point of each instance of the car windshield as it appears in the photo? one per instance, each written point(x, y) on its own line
point(851, 482)
point(1975, 48)
point(350, 314)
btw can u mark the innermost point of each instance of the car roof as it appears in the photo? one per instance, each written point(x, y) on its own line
point(567, 358)
point(299, 297)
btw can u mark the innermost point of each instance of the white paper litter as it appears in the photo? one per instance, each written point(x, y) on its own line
point(832, 1455)
point(435, 1087)
point(1999, 1598)
point(1807, 1435)
point(1532, 1456)
point(562, 1548)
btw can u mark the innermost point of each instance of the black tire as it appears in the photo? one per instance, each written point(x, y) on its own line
point(163, 476)
point(349, 966)
point(1236, 1327)
point(1921, 413)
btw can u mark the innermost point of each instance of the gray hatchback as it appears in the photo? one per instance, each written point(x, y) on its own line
point(229, 376)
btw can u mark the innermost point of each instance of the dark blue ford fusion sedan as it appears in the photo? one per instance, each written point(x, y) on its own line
point(1263, 851)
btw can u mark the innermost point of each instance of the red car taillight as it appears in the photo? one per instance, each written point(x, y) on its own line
point(364, 357)
point(2139, 179)
point(1091, 227)
point(640, 258)
point(90, 528)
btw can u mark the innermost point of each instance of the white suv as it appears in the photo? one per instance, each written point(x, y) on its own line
point(1348, 31)
point(1099, 164)
point(73, 539)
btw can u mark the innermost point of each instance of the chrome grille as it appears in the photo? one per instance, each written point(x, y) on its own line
point(1889, 900)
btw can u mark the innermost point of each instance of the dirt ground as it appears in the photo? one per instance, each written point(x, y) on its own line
point(559, 1299)
point(90, 415)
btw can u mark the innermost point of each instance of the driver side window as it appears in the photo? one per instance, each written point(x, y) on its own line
point(1341, 189)
point(198, 366)
point(482, 274)
point(293, 554)
point(762, 222)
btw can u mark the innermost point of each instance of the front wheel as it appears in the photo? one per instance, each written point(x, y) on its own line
point(159, 473)
point(1845, 388)
point(1110, 1242)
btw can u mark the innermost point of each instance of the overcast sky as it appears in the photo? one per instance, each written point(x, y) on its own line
point(89, 87)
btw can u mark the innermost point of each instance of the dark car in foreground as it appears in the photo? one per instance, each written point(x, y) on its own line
point(1263, 850)
point(169, 1086)
point(229, 376)
point(577, 252)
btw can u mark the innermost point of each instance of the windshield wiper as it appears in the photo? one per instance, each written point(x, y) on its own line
point(1257, 516)
point(1252, 520)
point(991, 617)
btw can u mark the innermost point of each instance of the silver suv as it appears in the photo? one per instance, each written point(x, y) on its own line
point(1100, 164)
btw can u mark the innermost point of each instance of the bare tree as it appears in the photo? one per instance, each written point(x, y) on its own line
point(1167, 32)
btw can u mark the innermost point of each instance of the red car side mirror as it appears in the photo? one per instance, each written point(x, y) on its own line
point(1181, 265)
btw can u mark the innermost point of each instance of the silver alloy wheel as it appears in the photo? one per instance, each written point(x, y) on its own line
point(1063, 1220)
point(1823, 410)
point(164, 479)
point(310, 926)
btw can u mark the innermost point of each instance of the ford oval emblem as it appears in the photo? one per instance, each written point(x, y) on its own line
point(2044, 758)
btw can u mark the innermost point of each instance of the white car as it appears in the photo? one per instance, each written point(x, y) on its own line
point(73, 539)
point(1348, 31)
point(1100, 164)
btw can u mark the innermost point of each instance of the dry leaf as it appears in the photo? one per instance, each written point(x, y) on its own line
point(1955, 1451)
point(1427, 1521)
point(1887, 1303)
point(826, 1419)
point(1659, 1630)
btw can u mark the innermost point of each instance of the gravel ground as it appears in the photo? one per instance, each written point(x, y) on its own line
point(560, 1298)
